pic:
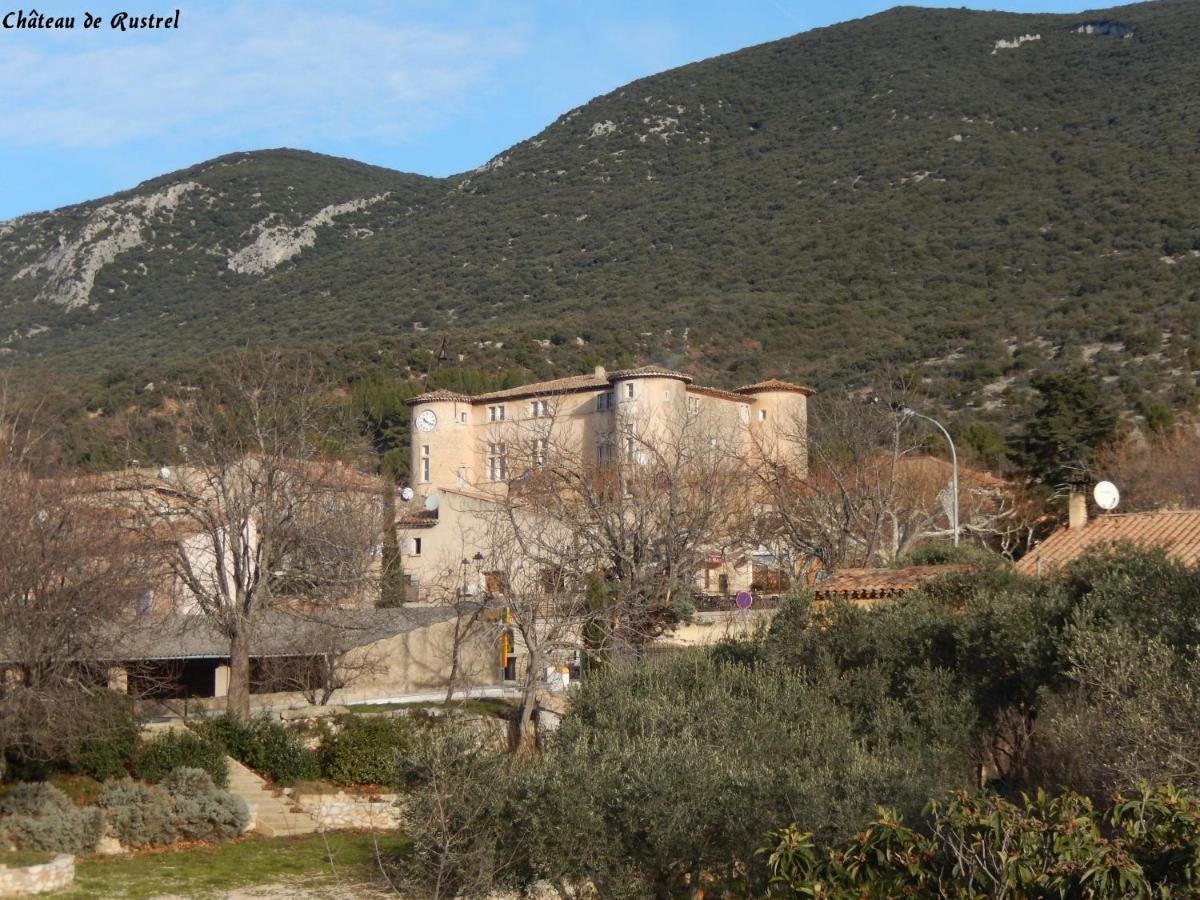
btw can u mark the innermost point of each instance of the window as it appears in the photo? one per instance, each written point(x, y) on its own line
point(143, 602)
point(693, 404)
point(629, 390)
point(462, 418)
point(416, 547)
point(539, 452)
point(497, 462)
point(539, 409)
point(666, 396)
point(604, 401)
point(762, 415)
point(604, 450)
point(495, 413)
point(425, 462)
point(630, 448)
point(744, 414)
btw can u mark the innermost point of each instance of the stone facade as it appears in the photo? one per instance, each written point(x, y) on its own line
point(342, 810)
point(39, 879)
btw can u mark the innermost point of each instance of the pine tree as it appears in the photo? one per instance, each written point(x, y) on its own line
point(1071, 421)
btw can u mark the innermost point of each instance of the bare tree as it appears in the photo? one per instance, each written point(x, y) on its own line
point(68, 579)
point(262, 516)
point(1155, 472)
point(872, 492)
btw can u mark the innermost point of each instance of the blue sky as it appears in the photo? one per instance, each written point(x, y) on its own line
point(430, 87)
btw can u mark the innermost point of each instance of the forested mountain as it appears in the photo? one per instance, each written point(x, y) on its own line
point(971, 197)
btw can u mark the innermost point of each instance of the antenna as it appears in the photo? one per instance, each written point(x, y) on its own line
point(431, 502)
point(1106, 495)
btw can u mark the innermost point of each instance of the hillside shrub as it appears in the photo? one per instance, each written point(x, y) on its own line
point(34, 799)
point(162, 754)
point(364, 749)
point(265, 745)
point(186, 805)
point(204, 812)
point(138, 815)
point(110, 755)
point(41, 817)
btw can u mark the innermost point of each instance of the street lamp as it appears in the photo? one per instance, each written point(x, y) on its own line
point(477, 559)
point(909, 411)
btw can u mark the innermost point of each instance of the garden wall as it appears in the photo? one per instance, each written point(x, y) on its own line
point(39, 879)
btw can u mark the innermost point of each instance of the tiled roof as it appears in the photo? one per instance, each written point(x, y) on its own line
point(875, 583)
point(541, 388)
point(1176, 531)
point(278, 633)
point(425, 518)
point(774, 384)
point(649, 372)
point(716, 392)
point(439, 394)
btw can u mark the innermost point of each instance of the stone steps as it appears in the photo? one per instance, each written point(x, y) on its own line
point(273, 816)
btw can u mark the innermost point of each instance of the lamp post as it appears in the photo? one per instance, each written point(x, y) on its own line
point(477, 559)
point(909, 411)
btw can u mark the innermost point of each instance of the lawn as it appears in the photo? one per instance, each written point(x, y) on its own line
point(340, 864)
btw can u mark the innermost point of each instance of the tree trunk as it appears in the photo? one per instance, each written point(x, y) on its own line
point(454, 656)
point(526, 737)
point(238, 701)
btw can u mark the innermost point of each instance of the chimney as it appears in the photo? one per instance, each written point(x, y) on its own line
point(600, 373)
point(1077, 510)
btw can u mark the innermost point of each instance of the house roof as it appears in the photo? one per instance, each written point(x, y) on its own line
point(877, 583)
point(277, 633)
point(570, 384)
point(1175, 531)
point(774, 384)
point(716, 392)
point(439, 394)
point(424, 518)
point(649, 372)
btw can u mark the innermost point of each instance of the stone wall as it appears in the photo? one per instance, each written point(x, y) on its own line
point(342, 810)
point(39, 879)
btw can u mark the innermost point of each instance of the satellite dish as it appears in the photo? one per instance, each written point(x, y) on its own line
point(431, 502)
point(1107, 496)
point(406, 494)
point(164, 473)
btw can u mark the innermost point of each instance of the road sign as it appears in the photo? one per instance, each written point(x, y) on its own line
point(743, 600)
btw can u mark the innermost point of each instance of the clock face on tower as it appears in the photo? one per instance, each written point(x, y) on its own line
point(427, 420)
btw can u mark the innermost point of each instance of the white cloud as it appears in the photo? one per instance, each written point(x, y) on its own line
point(271, 73)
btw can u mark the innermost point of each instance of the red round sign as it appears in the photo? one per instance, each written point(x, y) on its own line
point(743, 600)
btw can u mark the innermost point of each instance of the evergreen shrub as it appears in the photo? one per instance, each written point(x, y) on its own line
point(162, 754)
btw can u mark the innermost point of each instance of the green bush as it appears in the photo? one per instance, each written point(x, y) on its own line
point(974, 847)
point(187, 805)
point(364, 749)
point(139, 815)
point(34, 799)
point(204, 812)
point(163, 753)
point(108, 756)
point(41, 817)
point(267, 746)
